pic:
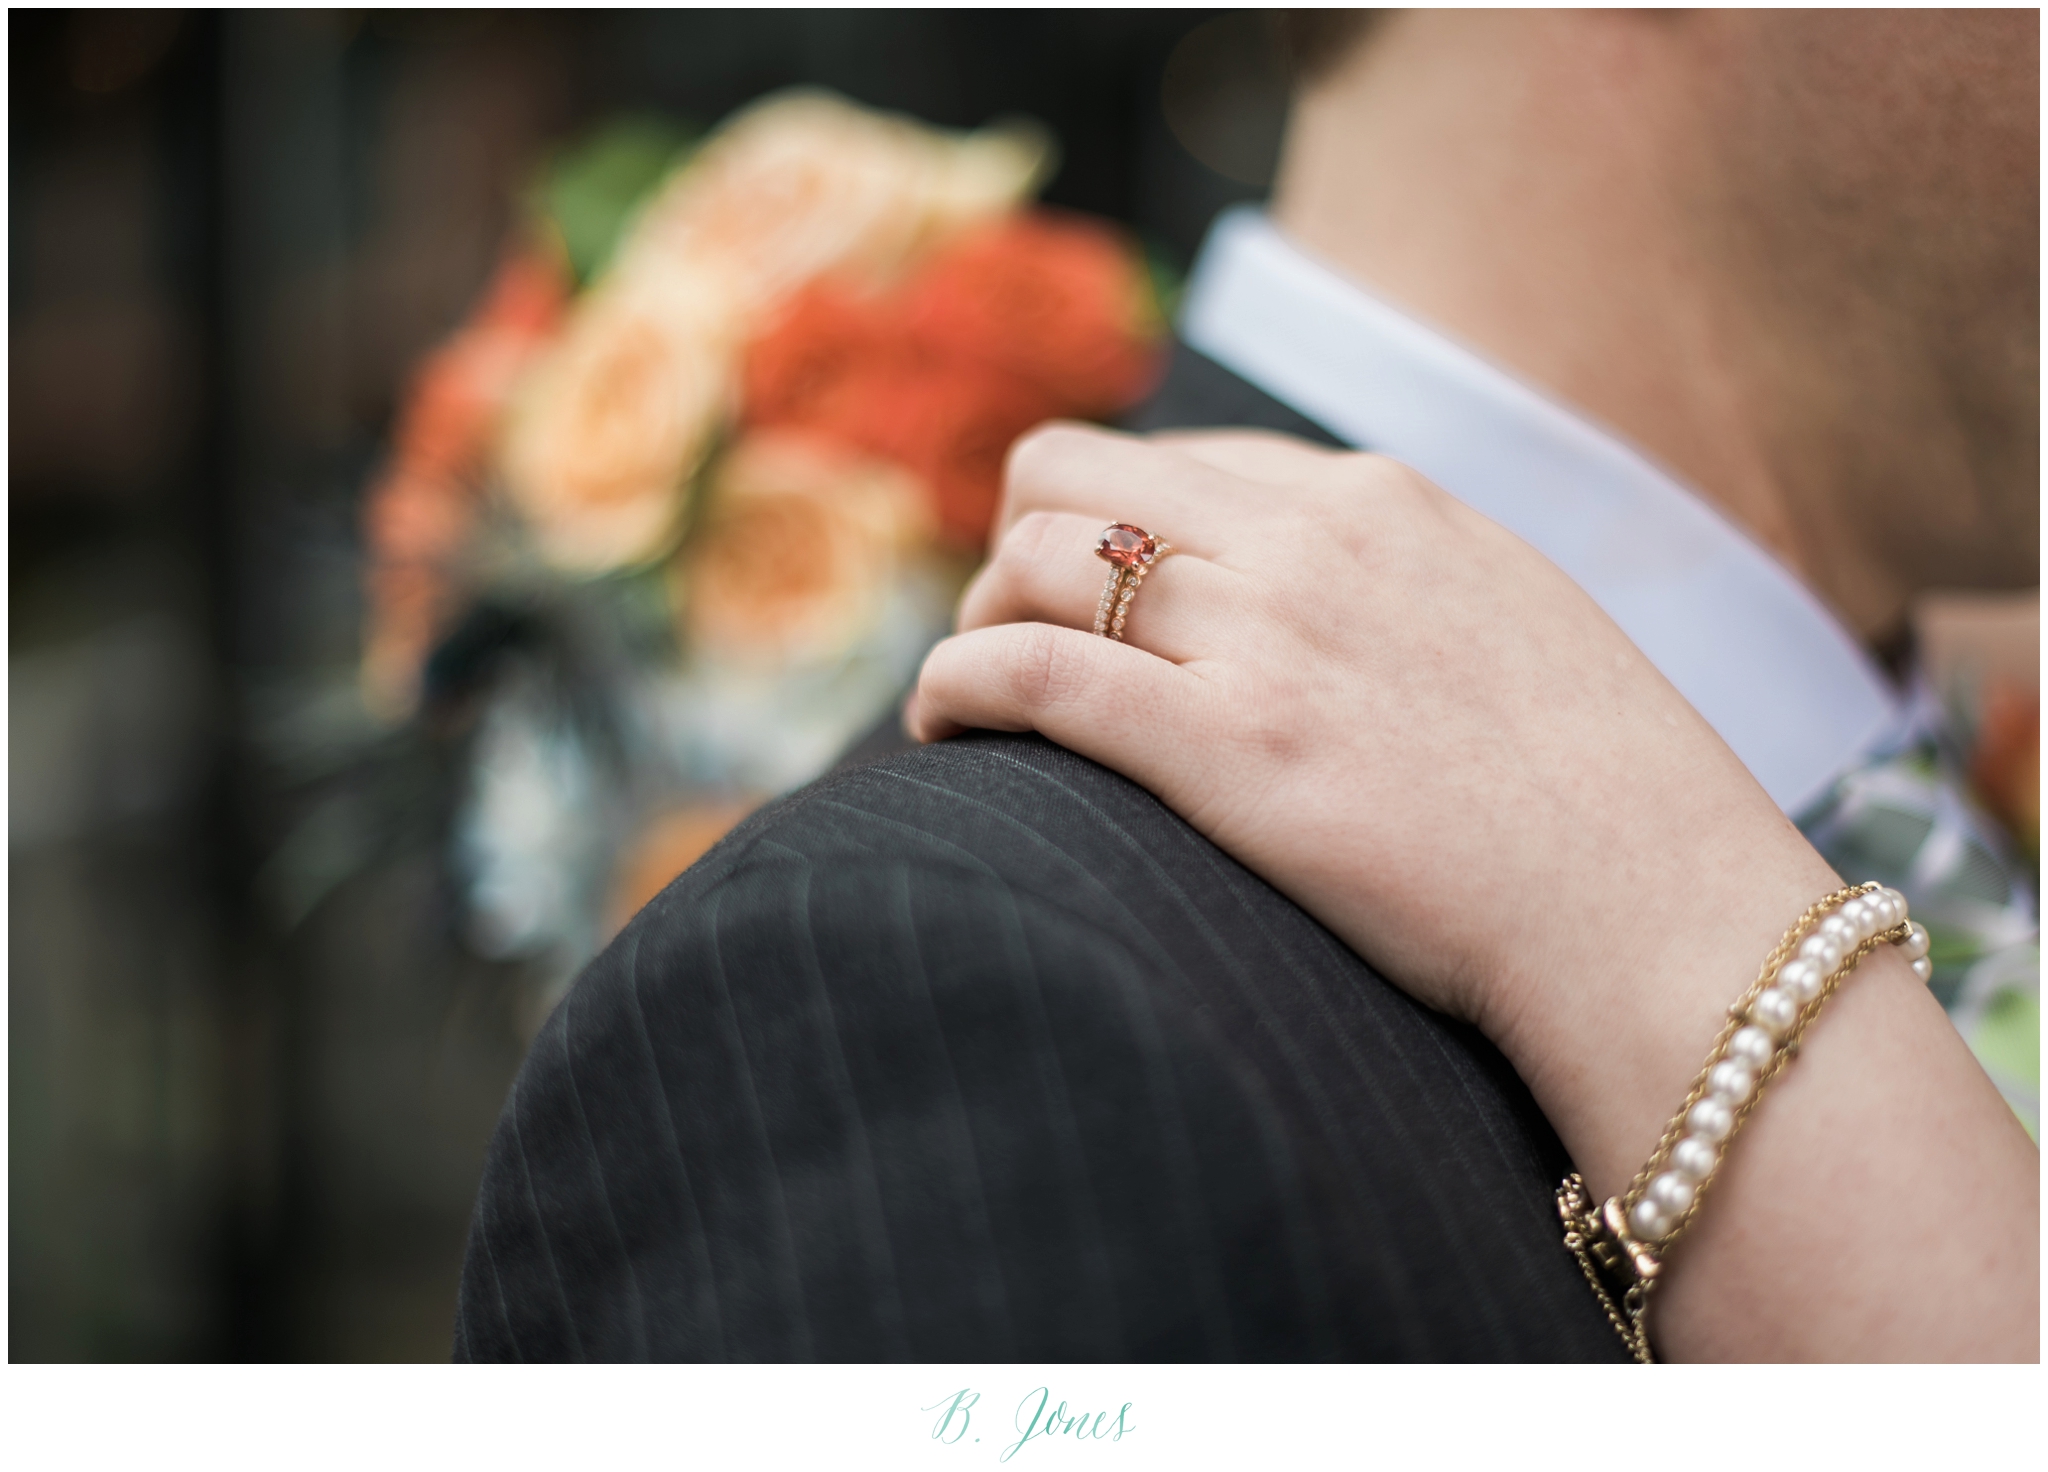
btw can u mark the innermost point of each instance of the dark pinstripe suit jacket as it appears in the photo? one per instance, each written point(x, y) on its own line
point(976, 1052)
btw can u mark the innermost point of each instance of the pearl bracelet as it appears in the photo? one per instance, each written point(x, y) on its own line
point(1621, 1246)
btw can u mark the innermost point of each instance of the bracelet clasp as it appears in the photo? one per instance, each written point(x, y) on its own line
point(1620, 1268)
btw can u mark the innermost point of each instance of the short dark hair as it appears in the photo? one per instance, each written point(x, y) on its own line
point(1312, 42)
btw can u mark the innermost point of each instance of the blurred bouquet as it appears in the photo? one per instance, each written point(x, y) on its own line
point(676, 513)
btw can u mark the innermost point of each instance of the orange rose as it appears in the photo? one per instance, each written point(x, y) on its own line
point(1015, 323)
point(1060, 302)
point(845, 366)
point(420, 514)
point(802, 183)
point(799, 551)
point(951, 423)
point(824, 339)
point(608, 427)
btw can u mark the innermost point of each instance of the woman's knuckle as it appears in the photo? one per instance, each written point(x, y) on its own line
point(1045, 669)
point(1033, 535)
point(1372, 476)
point(1038, 455)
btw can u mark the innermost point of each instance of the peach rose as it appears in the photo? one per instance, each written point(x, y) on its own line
point(609, 426)
point(800, 548)
point(989, 172)
point(803, 183)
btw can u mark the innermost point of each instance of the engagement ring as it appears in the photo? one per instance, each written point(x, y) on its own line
point(1129, 551)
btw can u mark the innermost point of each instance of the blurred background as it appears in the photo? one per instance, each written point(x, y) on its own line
point(253, 1063)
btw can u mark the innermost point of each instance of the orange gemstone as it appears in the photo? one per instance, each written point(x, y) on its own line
point(1126, 546)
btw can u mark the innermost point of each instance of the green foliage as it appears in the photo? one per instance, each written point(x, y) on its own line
point(1166, 279)
point(589, 190)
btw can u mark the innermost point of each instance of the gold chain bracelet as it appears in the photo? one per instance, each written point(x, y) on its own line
point(1622, 1246)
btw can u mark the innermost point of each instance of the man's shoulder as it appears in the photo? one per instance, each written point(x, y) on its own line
point(983, 808)
point(970, 1018)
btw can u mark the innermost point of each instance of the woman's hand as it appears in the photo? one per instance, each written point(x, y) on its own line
point(1400, 714)
point(1415, 726)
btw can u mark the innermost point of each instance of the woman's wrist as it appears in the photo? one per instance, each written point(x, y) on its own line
point(1609, 1032)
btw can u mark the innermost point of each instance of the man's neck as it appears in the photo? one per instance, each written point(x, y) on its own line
point(1522, 187)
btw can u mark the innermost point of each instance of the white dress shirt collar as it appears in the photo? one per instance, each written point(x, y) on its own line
point(1741, 638)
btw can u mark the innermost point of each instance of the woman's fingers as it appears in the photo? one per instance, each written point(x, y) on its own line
point(1046, 571)
point(1105, 700)
point(1110, 477)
